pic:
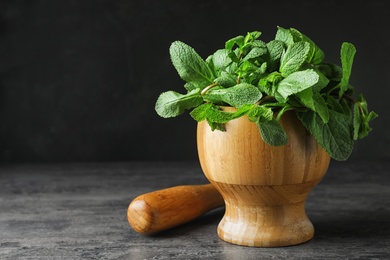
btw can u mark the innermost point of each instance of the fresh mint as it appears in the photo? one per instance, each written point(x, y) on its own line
point(295, 55)
point(263, 80)
point(347, 55)
point(235, 96)
point(334, 136)
point(172, 104)
point(189, 65)
point(215, 116)
point(296, 82)
point(273, 133)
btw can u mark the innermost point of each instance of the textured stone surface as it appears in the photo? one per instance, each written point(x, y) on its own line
point(78, 211)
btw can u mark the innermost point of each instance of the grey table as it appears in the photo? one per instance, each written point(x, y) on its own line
point(78, 211)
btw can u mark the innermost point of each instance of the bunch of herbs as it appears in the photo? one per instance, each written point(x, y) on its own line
point(263, 80)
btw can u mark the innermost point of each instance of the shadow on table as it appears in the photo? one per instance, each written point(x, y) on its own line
point(206, 221)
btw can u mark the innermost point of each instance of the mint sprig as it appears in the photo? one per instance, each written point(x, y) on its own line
point(263, 80)
point(189, 65)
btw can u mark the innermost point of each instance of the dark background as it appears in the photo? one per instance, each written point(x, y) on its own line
point(79, 78)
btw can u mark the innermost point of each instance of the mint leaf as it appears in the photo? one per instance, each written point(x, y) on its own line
point(251, 42)
point(313, 99)
point(260, 114)
point(366, 128)
point(189, 65)
point(236, 96)
point(362, 118)
point(273, 133)
point(252, 72)
point(251, 36)
point(216, 126)
point(331, 71)
point(284, 35)
point(255, 53)
point(334, 104)
point(215, 114)
point(321, 107)
point(275, 50)
point(200, 113)
point(316, 55)
point(296, 82)
point(172, 104)
point(246, 68)
point(357, 121)
point(335, 136)
point(269, 83)
point(190, 86)
point(315, 102)
point(348, 51)
point(221, 59)
point(226, 80)
point(294, 57)
point(239, 40)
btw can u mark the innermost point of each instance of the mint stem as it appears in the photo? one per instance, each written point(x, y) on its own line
point(207, 88)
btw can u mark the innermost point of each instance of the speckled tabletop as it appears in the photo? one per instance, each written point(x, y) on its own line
point(78, 211)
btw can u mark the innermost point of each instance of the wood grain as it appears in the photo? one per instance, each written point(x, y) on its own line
point(264, 187)
point(160, 210)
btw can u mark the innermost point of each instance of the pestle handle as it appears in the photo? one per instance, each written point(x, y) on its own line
point(163, 209)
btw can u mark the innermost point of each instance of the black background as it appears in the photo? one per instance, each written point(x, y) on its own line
point(79, 78)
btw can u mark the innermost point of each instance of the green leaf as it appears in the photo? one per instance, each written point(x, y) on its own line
point(260, 114)
point(251, 36)
point(236, 96)
point(252, 74)
point(216, 126)
point(226, 80)
point(275, 51)
point(316, 55)
point(331, 71)
point(225, 117)
point(315, 102)
point(362, 118)
point(172, 104)
point(273, 133)
point(294, 57)
point(234, 56)
point(284, 35)
point(321, 107)
point(190, 86)
point(357, 121)
point(247, 67)
point(268, 83)
point(255, 53)
point(210, 64)
point(221, 59)
point(366, 126)
point(334, 104)
point(348, 51)
point(251, 42)
point(214, 114)
point(200, 113)
point(239, 40)
point(189, 65)
point(335, 136)
point(297, 82)
point(347, 108)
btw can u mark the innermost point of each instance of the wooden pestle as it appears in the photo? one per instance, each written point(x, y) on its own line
point(163, 209)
